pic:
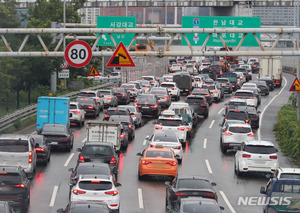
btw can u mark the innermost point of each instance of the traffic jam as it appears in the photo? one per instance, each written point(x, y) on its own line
point(129, 142)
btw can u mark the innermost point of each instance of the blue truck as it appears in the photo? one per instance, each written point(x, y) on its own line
point(52, 110)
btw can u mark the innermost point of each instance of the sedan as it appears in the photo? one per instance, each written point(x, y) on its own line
point(127, 123)
point(197, 205)
point(86, 207)
point(122, 95)
point(42, 149)
point(186, 186)
point(149, 106)
point(163, 96)
point(89, 105)
point(135, 114)
point(108, 97)
point(77, 114)
point(199, 104)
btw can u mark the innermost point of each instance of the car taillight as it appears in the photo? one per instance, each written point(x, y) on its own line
point(203, 104)
point(233, 85)
point(113, 193)
point(187, 90)
point(81, 159)
point(227, 108)
point(137, 105)
point(211, 195)
point(39, 149)
point(187, 129)
point(76, 192)
point(246, 156)
point(215, 91)
point(133, 90)
point(172, 163)
point(234, 97)
point(177, 147)
point(228, 133)
point(250, 134)
point(108, 98)
point(75, 112)
point(106, 116)
point(180, 194)
point(154, 106)
point(173, 88)
point(90, 107)
point(158, 127)
point(145, 162)
point(30, 157)
point(129, 126)
point(151, 145)
point(97, 99)
point(165, 97)
point(113, 160)
point(225, 119)
point(254, 116)
point(133, 116)
point(206, 96)
point(273, 157)
point(152, 82)
point(147, 86)
point(123, 94)
point(95, 181)
point(247, 121)
point(122, 136)
point(251, 97)
point(181, 128)
point(20, 186)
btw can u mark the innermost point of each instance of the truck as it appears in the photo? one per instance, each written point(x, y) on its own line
point(271, 67)
point(52, 110)
point(184, 82)
point(230, 59)
point(104, 131)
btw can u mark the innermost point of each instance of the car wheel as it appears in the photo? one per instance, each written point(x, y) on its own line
point(178, 97)
point(237, 171)
point(223, 149)
point(179, 161)
point(49, 157)
point(140, 176)
point(68, 148)
point(206, 115)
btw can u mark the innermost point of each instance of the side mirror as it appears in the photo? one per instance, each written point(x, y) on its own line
point(147, 137)
point(79, 149)
point(37, 145)
point(71, 184)
point(213, 183)
point(222, 208)
point(167, 183)
point(60, 211)
point(258, 111)
point(118, 184)
point(71, 170)
point(139, 154)
point(263, 190)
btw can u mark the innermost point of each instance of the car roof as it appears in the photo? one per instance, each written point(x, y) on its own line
point(244, 90)
point(239, 124)
point(259, 143)
point(88, 91)
point(74, 103)
point(15, 136)
point(289, 170)
point(237, 100)
point(95, 177)
point(93, 143)
point(159, 149)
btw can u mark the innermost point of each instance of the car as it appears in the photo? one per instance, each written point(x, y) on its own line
point(97, 188)
point(232, 134)
point(99, 152)
point(115, 76)
point(253, 116)
point(237, 114)
point(235, 103)
point(241, 79)
point(18, 150)
point(244, 71)
point(256, 93)
point(145, 86)
point(99, 78)
point(89, 105)
point(146, 96)
point(252, 60)
point(215, 91)
point(191, 69)
point(149, 106)
point(183, 109)
point(209, 81)
point(256, 156)
point(288, 173)
point(189, 186)
point(163, 96)
point(115, 111)
point(132, 89)
point(262, 85)
point(77, 113)
point(157, 161)
point(217, 69)
point(95, 95)
point(86, 207)
point(135, 114)
point(59, 136)
point(197, 205)
point(127, 123)
point(248, 95)
point(226, 84)
point(248, 68)
point(174, 91)
point(110, 100)
point(167, 78)
point(212, 75)
point(122, 95)
point(15, 187)
point(167, 141)
point(199, 104)
point(175, 68)
point(152, 80)
point(269, 82)
point(42, 149)
point(204, 92)
point(198, 81)
point(255, 67)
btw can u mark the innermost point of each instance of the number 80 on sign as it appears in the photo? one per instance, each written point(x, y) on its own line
point(78, 54)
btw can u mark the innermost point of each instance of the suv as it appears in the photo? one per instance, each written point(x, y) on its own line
point(115, 111)
point(77, 114)
point(225, 83)
point(174, 91)
point(132, 89)
point(93, 94)
point(248, 95)
point(86, 207)
point(122, 95)
point(127, 122)
point(235, 103)
point(18, 150)
point(199, 104)
point(237, 114)
point(15, 187)
point(89, 105)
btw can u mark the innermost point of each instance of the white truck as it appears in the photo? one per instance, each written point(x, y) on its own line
point(111, 130)
point(271, 67)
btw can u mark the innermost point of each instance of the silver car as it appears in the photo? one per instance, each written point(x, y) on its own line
point(232, 135)
point(77, 114)
point(109, 99)
point(135, 114)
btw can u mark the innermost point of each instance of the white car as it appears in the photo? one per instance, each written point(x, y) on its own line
point(77, 114)
point(198, 81)
point(152, 80)
point(174, 91)
point(115, 76)
point(248, 95)
point(132, 89)
point(184, 110)
point(249, 85)
point(215, 92)
point(256, 156)
point(191, 69)
point(167, 140)
point(109, 99)
point(176, 68)
point(252, 61)
point(96, 188)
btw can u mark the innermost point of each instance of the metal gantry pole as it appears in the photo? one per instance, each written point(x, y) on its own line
point(297, 64)
point(65, 80)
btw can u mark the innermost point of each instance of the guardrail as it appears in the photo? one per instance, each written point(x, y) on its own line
point(22, 114)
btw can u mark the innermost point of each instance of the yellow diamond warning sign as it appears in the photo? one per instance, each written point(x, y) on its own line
point(295, 86)
point(94, 72)
point(120, 58)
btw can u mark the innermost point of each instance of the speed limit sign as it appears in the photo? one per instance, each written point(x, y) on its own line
point(78, 54)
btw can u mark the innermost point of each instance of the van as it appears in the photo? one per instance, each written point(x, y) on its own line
point(18, 150)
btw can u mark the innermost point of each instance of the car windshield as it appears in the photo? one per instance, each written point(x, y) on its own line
point(159, 93)
point(232, 79)
point(244, 94)
point(165, 138)
point(97, 150)
point(148, 78)
point(193, 184)
point(10, 145)
point(9, 177)
point(92, 170)
point(167, 85)
point(87, 94)
point(52, 128)
point(158, 154)
point(222, 80)
point(73, 106)
point(118, 91)
point(131, 109)
point(209, 87)
point(257, 149)
point(85, 101)
point(169, 122)
point(120, 118)
point(194, 100)
point(146, 101)
point(232, 115)
point(114, 74)
point(39, 140)
point(128, 86)
point(240, 129)
point(237, 103)
point(104, 92)
point(116, 112)
point(290, 176)
point(196, 208)
point(95, 185)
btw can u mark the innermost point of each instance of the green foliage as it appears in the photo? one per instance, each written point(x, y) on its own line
point(288, 131)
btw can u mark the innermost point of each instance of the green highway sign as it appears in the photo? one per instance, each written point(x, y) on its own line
point(231, 39)
point(116, 22)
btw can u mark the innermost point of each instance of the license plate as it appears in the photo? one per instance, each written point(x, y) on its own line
point(259, 162)
point(54, 143)
point(145, 107)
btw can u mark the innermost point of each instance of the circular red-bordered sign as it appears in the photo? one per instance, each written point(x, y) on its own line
point(78, 54)
point(64, 65)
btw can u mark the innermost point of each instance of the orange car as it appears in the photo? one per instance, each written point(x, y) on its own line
point(157, 161)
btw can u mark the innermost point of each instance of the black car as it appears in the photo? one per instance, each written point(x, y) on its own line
point(217, 69)
point(253, 116)
point(127, 122)
point(199, 104)
point(187, 186)
point(42, 148)
point(262, 85)
point(197, 205)
point(149, 106)
point(205, 93)
point(59, 136)
point(237, 114)
point(255, 67)
point(122, 95)
point(145, 96)
point(244, 71)
point(15, 187)
point(99, 152)
point(86, 207)
point(163, 96)
point(89, 105)
point(115, 111)
point(5, 207)
point(210, 72)
point(269, 82)
point(226, 84)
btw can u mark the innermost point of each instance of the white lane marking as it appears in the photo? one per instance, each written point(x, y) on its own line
point(262, 114)
point(212, 123)
point(144, 143)
point(227, 202)
point(220, 111)
point(208, 167)
point(204, 143)
point(84, 140)
point(33, 132)
point(69, 159)
point(140, 195)
point(53, 196)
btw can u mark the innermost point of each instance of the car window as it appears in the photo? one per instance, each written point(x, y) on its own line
point(290, 176)
point(14, 146)
point(286, 188)
point(97, 150)
point(240, 129)
point(158, 154)
point(194, 100)
point(116, 112)
point(222, 80)
point(165, 138)
point(237, 103)
point(169, 122)
point(95, 185)
point(255, 149)
point(85, 101)
point(128, 86)
point(104, 93)
point(9, 177)
point(167, 85)
point(73, 106)
point(236, 115)
point(87, 94)
point(193, 184)
point(244, 94)
point(92, 170)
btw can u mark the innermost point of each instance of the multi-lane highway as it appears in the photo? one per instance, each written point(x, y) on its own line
point(202, 156)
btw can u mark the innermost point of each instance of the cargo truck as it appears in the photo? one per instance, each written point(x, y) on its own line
point(271, 67)
point(104, 131)
point(52, 110)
